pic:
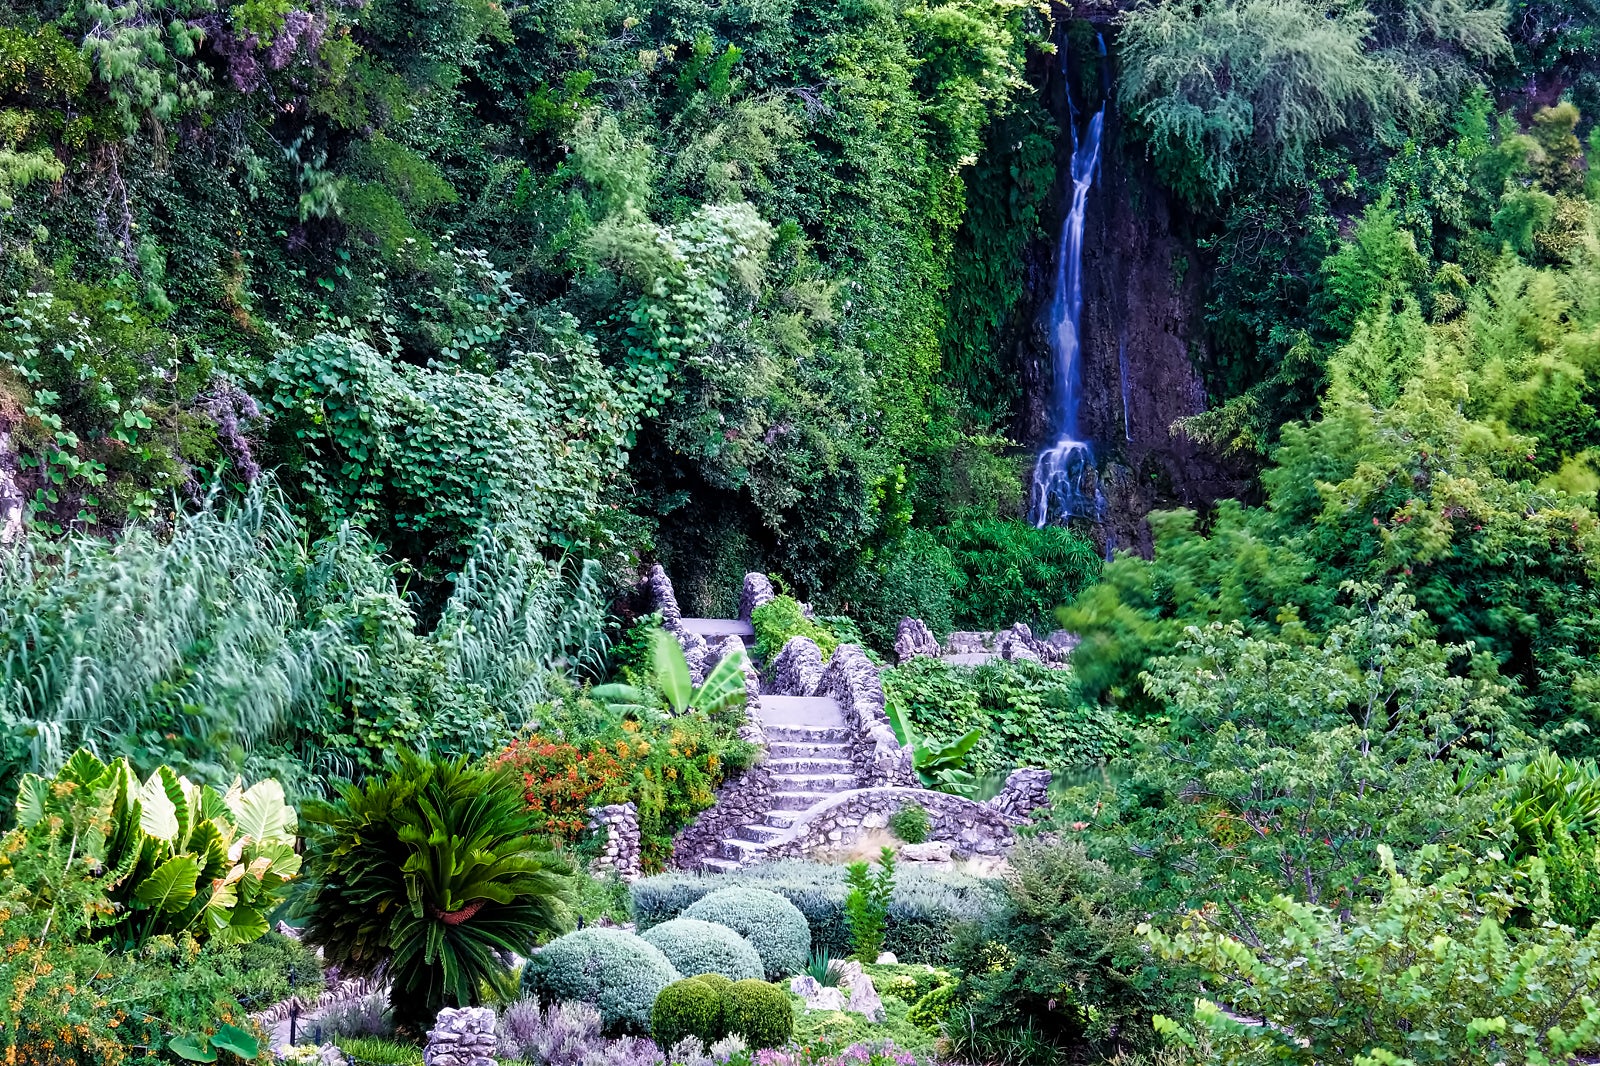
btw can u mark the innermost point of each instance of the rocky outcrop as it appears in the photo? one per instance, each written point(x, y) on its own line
point(798, 668)
point(757, 593)
point(620, 852)
point(972, 828)
point(912, 639)
point(463, 1037)
point(1026, 790)
point(879, 757)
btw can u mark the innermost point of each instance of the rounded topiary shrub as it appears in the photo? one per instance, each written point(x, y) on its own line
point(931, 1011)
point(716, 981)
point(759, 1012)
point(696, 947)
point(619, 973)
point(774, 926)
point(690, 1007)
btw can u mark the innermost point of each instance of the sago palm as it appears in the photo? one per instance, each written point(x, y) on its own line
point(430, 876)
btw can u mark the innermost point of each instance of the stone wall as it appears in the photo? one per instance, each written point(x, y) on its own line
point(743, 800)
point(621, 850)
point(1026, 790)
point(880, 758)
point(974, 828)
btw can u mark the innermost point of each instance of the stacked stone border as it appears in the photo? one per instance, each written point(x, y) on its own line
point(974, 828)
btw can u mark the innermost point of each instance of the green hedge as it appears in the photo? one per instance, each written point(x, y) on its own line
point(922, 916)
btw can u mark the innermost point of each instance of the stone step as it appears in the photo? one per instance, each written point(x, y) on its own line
point(809, 765)
point(715, 630)
point(798, 801)
point(794, 750)
point(781, 819)
point(801, 710)
point(970, 658)
point(715, 865)
point(801, 734)
point(741, 851)
point(826, 784)
point(761, 834)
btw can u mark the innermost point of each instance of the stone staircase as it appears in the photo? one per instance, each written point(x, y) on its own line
point(808, 756)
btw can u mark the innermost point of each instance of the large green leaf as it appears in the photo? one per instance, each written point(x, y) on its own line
point(900, 722)
point(170, 886)
point(232, 1038)
point(82, 769)
point(724, 686)
point(32, 797)
point(260, 812)
point(932, 757)
point(672, 670)
point(626, 699)
point(193, 1048)
point(158, 814)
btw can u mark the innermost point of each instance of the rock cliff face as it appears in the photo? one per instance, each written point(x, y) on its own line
point(1143, 296)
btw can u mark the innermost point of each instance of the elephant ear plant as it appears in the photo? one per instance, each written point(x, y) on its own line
point(178, 857)
point(433, 875)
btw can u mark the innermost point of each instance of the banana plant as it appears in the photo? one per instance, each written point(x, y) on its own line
point(178, 856)
point(722, 688)
point(940, 765)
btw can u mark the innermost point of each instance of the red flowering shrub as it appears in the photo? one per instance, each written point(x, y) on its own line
point(562, 781)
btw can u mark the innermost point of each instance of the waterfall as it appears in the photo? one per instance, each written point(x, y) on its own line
point(1064, 480)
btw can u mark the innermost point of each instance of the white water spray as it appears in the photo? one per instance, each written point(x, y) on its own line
point(1064, 480)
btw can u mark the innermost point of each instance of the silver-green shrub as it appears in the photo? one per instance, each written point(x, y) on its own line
point(778, 930)
point(696, 947)
point(618, 973)
point(923, 912)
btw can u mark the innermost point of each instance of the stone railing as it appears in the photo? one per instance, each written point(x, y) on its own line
point(1026, 790)
point(852, 680)
point(798, 668)
point(665, 602)
point(973, 828)
point(757, 592)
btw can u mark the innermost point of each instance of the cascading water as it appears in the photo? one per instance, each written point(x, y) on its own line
point(1065, 484)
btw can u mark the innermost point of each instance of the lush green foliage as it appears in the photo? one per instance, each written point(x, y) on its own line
point(617, 972)
point(430, 874)
point(1027, 714)
point(1061, 966)
point(759, 1012)
point(911, 823)
point(776, 622)
point(1427, 973)
point(866, 905)
point(172, 857)
point(765, 919)
point(695, 947)
point(229, 642)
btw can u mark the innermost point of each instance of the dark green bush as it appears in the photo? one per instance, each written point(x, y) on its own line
point(687, 1008)
point(783, 618)
point(911, 824)
point(760, 1012)
point(1061, 967)
point(1010, 571)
